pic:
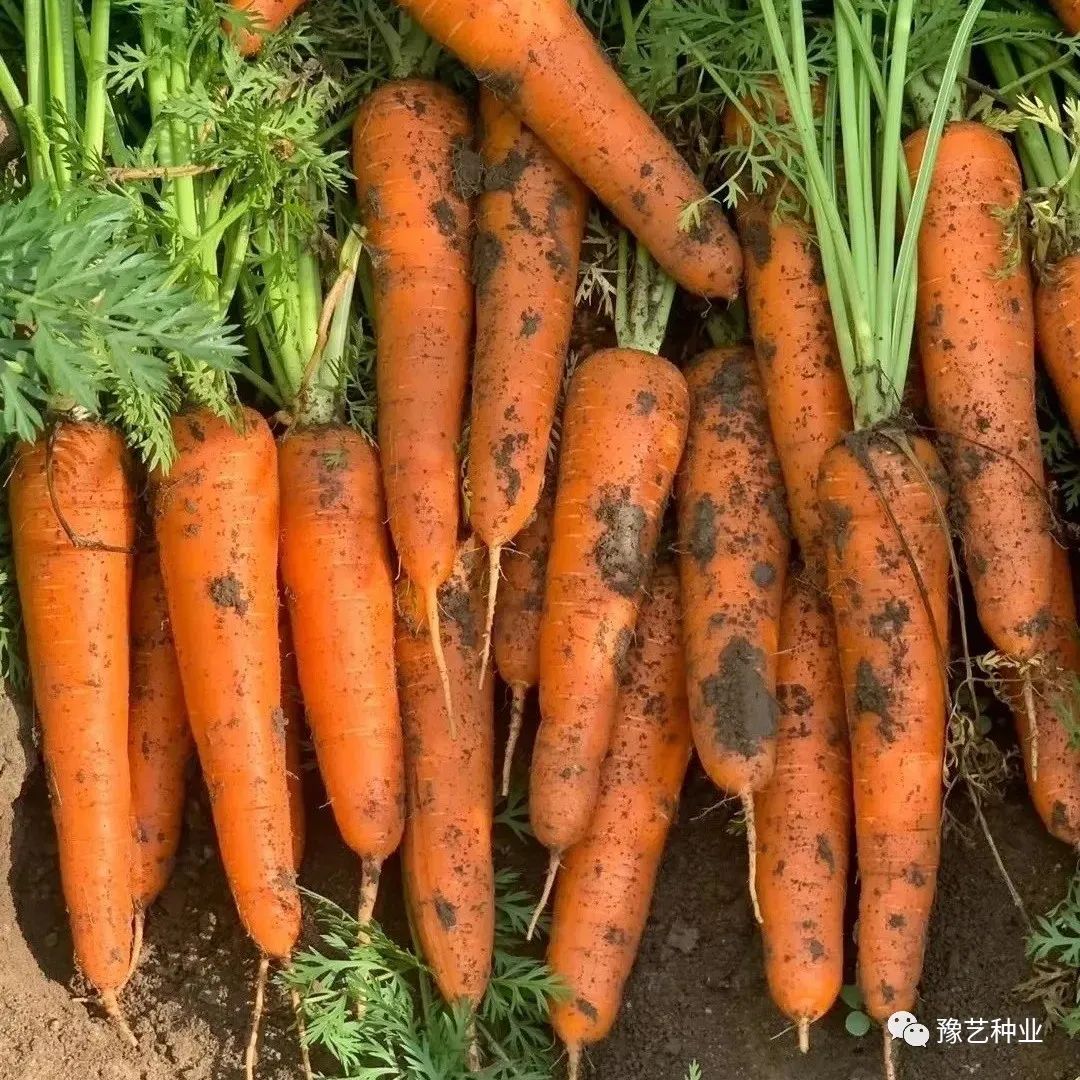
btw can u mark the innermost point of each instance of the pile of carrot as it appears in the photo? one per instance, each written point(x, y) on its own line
point(730, 554)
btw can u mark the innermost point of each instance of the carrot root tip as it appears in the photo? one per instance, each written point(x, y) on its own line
point(573, 1061)
point(256, 1017)
point(432, 604)
point(1033, 727)
point(549, 884)
point(517, 714)
point(370, 873)
point(111, 1004)
point(804, 1035)
point(494, 561)
point(301, 1034)
point(890, 1055)
point(751, 851)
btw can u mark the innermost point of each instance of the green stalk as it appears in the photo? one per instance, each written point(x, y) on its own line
point(309, 297)
point(58, 83)
point(13, 100)
point(14, 13)
point(93, 135)
point(67, 44)
point(237, 245)
point(157, 92)
point(643, 300)
point(118, 151)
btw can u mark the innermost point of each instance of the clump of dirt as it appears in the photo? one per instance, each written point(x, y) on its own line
point(621, 554)
point(742, 711)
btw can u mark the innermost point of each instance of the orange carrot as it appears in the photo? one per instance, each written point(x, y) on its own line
point(623, 433)
point(733, 542)
point(407, 143)
point(159, 738)
point(292, 708)
point(336, 563)
point(539, 59)
point(1051, 761)
point(803, 818)
point(976, 335)
point(217, 526)
point(73, 526)
point(606, 886)
point(518, 615)
point(1059, 330)
point(446, 857)
point(266, 16)
point(888, 573)
point(1068, 11)
point(530, 221)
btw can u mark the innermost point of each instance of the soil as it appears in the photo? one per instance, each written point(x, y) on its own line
point(697, 993)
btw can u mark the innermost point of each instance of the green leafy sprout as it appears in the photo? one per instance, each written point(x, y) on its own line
point(1053, 946)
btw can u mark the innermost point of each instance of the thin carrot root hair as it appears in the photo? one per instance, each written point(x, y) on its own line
point(573, 1061)
point(890, 1055)
point(431, 603)
point(545, 896)
point(111, 1004)
point(751, 851)
point(301, 1034)
point(136, 941)
point(804, 1035)
point(370, 873)
point(472, 1058)
point(517, 714)
point(251, 1053)
point(1033, 726)
point(494, 562)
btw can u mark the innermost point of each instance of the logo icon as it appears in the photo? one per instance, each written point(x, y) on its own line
point(906, 1026)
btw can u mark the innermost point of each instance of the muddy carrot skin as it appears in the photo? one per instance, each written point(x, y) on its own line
point(292, 706)
point(540, 60)
point(1051, 763)
point(159, 737)
point(803, 817)
point(530, 221)
point(976, 337)
point(216, 516)
point(606, 885)
point(447, 855)
point(338, 574)
point(518, 613)
point(267, 16)
point(892, 635)
point(734, 546)
point(1059, 330)
point(795, 345)
point(75, 608)
point(623, 433)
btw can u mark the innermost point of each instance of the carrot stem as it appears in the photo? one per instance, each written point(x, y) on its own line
point(256, 1017)
point(432, 605)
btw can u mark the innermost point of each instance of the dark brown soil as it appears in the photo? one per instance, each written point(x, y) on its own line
point(698, 991)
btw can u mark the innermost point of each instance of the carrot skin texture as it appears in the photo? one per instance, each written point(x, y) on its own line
point(976, 337)
point(1068, 11)
point(75, 608)
point(803, 816)
point(606, 883)
point(733, 540)
point(892, 664)
point(530, 223)
point(1058, 331)
point(449, 786)
point(405, 139)
point(541, 61)
point(338, 574)
point(159, 736)
point(270, 15)
point(1052, 765)
point(292, 708)
point(217, 529)
point(623, 434)
point(797, 356)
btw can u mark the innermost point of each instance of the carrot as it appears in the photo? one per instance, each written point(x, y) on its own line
point(266, 16)
point(539, 59)
point(159, 740)
point(795, 346)
point(1058, 333)
point(407, 141)
point(976, 337)
point(336, 564)
point(733, 543)
point(530, 222)
point(803, 818)
point(623, 433)
point(217, 524)
point(292, 708)
point(888, 566)
point(446, 857)
point(74, 590)
point(606, 886)
point(1068, 11)
point(518, 614)
point(1051, 760)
